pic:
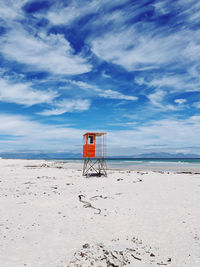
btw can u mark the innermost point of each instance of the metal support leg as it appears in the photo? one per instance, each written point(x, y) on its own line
point(94, 167)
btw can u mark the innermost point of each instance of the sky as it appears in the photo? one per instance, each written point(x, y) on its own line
point(128, 68)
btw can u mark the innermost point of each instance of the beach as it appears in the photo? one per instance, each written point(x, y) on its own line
point(52, 216)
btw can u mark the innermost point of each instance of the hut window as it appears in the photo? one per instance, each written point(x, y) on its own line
point(84, 140)
point(91, 139)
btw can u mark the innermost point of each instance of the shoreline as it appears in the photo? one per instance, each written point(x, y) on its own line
point(176, 167)
point(190, 168)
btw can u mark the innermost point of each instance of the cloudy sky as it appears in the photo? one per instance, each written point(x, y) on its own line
point(130, 68)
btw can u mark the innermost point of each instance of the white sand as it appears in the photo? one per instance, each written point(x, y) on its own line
point(147, 218)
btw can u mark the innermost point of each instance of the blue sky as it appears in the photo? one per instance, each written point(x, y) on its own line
point(131, 68)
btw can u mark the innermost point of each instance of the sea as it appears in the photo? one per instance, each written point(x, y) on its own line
point(157, 164)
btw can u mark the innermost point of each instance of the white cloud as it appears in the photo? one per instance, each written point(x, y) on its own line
point(65, 15)
point(161, 7)
point(77, 9)
point(180, 101)
point(11, 10)
point(105, 75)
point(116, 95)
point(67, 106)
point(180, 133)
point(145, 46)
point(51, 53)
point(122, 124)
point(25, 133)
point(172, 83)
point(136, 50)
point(167, 81)
point(157, 100)
point(23, 93)
point(197, 105)
point(110, 94)
point(190, 10)
point(83, 85)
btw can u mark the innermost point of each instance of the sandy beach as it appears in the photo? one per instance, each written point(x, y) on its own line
point(52, 216)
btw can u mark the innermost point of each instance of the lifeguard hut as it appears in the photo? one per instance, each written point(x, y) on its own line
point(94, 150)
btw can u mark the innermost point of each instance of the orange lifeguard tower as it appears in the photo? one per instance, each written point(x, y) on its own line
point(94, 149)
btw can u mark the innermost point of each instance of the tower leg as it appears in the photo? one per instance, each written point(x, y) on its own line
point(94, 167)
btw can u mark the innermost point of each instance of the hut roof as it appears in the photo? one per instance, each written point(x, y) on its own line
point(97, 134)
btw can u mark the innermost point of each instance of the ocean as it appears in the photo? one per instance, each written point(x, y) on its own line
point(157, 164)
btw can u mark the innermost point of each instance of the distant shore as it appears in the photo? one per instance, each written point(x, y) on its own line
point(53, 216)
